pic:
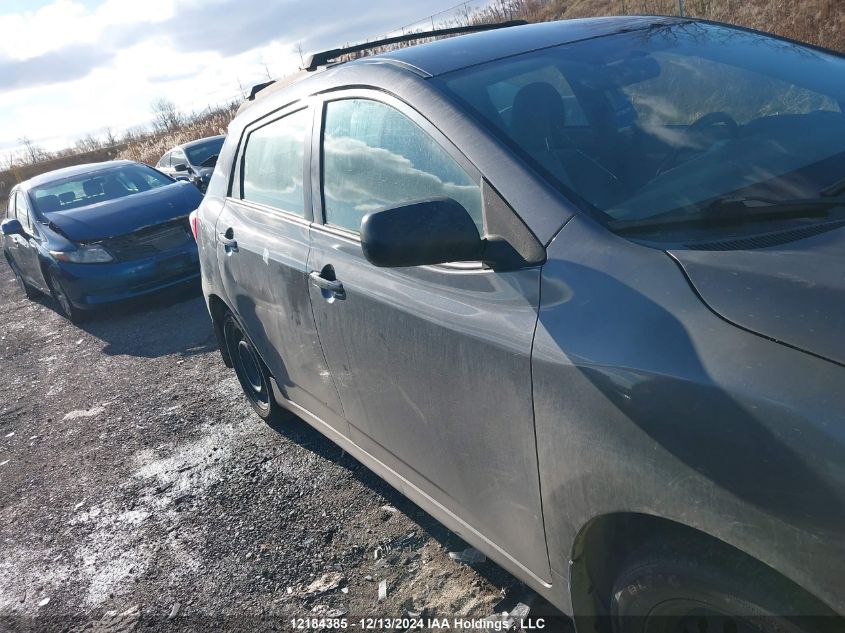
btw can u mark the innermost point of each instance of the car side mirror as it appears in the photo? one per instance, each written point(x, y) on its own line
point(180, 167)
point(11, 226)
point(433, 231)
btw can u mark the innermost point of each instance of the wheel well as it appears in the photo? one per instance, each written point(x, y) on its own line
point(218, 308)
point(605, 544)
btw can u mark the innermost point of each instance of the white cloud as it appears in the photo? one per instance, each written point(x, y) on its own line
point(66, 22)
point(120, 55)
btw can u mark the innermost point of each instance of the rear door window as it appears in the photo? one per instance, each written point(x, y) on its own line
point(273, 164)
point(375, 157)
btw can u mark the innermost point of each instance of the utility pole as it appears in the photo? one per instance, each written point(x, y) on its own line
point(681, 8)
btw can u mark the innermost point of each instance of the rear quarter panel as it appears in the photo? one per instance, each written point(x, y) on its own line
point(211, 208)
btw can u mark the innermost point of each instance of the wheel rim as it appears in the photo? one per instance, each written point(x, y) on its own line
point(59, 294)
point(688, 616)
point(247, 365)
point(251, 371)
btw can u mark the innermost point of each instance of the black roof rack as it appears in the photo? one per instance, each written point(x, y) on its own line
point(321, 59)
point(258, 88)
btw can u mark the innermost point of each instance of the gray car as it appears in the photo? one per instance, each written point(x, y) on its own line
point(193, 161)
point(576, 289)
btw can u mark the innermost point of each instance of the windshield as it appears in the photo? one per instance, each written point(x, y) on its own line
point(201, 153)
point(97, 186)
point(664, 121)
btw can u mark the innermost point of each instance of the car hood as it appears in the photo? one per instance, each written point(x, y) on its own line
point(128, 214)
point(793, 293)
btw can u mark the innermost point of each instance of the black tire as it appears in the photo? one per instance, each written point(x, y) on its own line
point(687, 587)
point(252, 374)
point(25, 288)
point(60, 296)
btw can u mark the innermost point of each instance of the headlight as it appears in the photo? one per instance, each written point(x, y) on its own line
point(84, 254)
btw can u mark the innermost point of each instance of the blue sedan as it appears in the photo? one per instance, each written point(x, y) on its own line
point(94, 234)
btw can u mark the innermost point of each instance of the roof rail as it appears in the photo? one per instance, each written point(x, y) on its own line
point(321, 59)
point(258, 88)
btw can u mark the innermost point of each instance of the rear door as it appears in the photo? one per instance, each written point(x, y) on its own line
point(263, 242)
point(432, 363)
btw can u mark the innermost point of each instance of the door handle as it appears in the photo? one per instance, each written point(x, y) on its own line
point(227, 239)
point(329, 285)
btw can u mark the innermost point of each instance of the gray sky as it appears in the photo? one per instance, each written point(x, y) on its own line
point(72, 67)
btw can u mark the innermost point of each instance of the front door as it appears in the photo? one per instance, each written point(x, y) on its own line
point(263, 242)
point(26, 245)
point(432, 363)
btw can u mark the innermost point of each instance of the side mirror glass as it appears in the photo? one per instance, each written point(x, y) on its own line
point(180, 167)
point(421, 233)
point(11, 227)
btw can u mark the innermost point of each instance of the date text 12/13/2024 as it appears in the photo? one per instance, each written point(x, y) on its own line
point(495, 623)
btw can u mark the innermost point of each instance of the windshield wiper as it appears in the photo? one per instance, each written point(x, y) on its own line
point(730, 211)
point(208, 161)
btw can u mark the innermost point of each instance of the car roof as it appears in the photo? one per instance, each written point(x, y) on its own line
point(198, 142)
point(74, 170)
point(447, 55)
point(454, 53)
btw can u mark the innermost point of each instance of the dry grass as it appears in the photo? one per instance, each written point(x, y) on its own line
point(819, 22)
point(143, 147)
point(150, 149)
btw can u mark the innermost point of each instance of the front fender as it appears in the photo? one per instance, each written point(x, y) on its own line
point(647, 402)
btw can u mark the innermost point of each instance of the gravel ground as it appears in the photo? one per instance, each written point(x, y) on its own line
point(138, 491)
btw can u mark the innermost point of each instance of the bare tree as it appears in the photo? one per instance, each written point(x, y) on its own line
point(110, 137)
point(88, 143)
point(266, 69)
point(298, 49)
point(33, 153)
point(134, 134)
point(10, 161)
point(167, 116)
point(244, 94)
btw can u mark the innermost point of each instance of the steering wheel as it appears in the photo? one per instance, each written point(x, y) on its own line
point(695, 136)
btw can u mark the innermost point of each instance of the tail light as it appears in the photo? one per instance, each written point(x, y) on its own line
point(195, 224)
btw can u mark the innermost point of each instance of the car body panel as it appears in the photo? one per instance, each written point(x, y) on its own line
point(91, 285)
point(266, 281)
point(125, 215)
point(647, 402)
point(433, 370)
point(22, 250)
point(793, 293)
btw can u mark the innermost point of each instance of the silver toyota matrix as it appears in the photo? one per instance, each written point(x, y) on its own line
point(577, 289)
